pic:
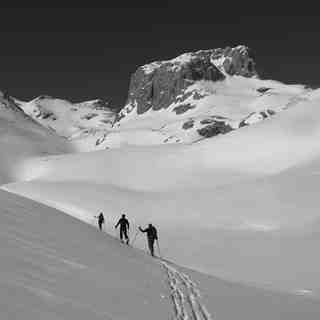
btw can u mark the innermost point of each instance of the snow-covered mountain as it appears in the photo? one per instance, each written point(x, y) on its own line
point(194, 96)
point(197, 95)
point(80, 122)
point(161, 84)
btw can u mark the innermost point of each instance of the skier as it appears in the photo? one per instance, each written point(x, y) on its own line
point(124, 228)
point(100, 218)
point(152, 235)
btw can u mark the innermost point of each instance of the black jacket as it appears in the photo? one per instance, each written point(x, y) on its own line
point(151, 232)
point(101, 218)
point(124, 223)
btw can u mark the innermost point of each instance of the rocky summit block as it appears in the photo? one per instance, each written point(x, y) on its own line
point(159, 84)
point(234, 61)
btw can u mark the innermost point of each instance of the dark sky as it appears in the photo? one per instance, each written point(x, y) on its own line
point(85, 53)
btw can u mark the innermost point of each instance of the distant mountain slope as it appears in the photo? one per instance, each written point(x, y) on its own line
point(79, 122)
point(22, 138)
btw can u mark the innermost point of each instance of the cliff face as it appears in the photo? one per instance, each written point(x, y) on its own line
point(159, 84)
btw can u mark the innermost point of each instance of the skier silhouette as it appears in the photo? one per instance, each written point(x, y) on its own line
point(100, 218)
point(124, 228)
point(152, 235)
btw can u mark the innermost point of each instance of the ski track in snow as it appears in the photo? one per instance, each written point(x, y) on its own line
point(185, 296)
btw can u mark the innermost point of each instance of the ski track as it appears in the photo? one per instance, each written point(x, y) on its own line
point(185, 296)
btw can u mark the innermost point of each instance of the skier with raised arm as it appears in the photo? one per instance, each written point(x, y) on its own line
point(152, 235)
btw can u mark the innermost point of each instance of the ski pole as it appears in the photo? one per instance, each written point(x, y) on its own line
point(134, 238)
point(159, 249)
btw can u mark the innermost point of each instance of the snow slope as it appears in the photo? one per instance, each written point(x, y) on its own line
point(245, 204)
point(72, 271)
point(53, 267)
point(22, 138)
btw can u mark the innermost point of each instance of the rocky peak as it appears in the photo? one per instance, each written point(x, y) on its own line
point(158, 85)
point(231, 61)
point(234, 61)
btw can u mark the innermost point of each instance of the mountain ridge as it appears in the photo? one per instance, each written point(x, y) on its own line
point(194, 96)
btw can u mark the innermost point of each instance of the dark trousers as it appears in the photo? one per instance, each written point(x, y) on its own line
point(151, 245)
point(100, 223)
point(124, 233)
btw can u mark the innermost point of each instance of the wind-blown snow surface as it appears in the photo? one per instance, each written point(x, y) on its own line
point(55, 267)
point(243, 206)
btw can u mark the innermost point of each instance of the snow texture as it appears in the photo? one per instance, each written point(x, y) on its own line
point(55, 267)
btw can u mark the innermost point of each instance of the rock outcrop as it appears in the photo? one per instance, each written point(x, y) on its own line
point(214, 129)
point(256, 117)
point(234, 61)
